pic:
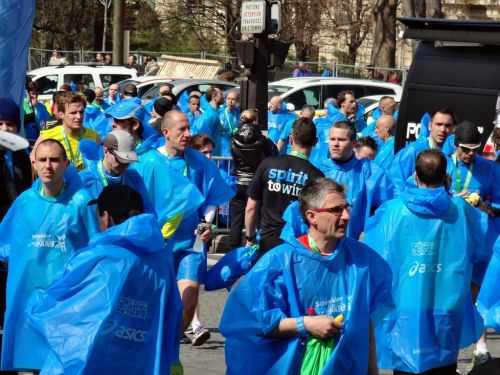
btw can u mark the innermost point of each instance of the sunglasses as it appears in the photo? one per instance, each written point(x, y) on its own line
point(468, 150)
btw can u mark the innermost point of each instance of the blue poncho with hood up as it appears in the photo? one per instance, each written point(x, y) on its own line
point(430, 241)
point(116, 308)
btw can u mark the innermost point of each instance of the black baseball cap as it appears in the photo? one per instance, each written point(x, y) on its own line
point(120, 201)
point(467, 135)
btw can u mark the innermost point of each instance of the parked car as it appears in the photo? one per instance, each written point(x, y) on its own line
point(49, 79)
point(314, 91)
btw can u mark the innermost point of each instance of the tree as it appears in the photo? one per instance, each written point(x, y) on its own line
point(301, 25)
point(209, 21)
point(422, 8)
point(384, 33)
point(350, 20)
point(106, 4)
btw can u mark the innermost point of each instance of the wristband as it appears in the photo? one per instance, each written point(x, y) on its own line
point(301, 329)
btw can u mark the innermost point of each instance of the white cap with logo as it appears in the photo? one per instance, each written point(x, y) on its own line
point(122, 145)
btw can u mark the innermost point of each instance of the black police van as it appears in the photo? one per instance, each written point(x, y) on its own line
point(456, 65)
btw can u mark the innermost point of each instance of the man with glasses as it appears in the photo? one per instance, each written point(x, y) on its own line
point(441, 127)
point(477, 181)
point(293, 301)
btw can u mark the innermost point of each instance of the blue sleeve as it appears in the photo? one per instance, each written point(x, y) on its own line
point(258, 301)
point(402, 167)
point(425, 121)
point(379, 186)
point(7, 228)
point(286, 131)
point(216, 190)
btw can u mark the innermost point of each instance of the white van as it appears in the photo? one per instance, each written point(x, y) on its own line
point(50, 78)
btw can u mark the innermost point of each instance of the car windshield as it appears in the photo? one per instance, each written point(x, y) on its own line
point(276, 90)
point(366, 102)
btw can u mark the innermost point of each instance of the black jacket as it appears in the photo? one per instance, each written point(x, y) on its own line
point(12, 186)
point(248, 148)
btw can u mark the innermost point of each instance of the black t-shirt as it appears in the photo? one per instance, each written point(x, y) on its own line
point(278, 182)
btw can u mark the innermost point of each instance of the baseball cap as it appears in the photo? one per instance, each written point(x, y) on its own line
point(122, 145)
point(120, 201)
point(9, 111)
point(467, 135)
point(125, 109)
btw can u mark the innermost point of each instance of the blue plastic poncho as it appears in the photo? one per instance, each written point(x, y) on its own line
point(488, 301)
point(430, 241)
point(205, 176)
point(32, 129)
point(229, 122)
point(385, 154)
point(276, 122)
point(367, 187)
point(231, 267)
point(95, 179)
point(170, 193)
point(207, 123)
point(37, 237)
point(404, 162)
point(116, 309)
point(92, 112)
point(323, 124)
point(284, 283)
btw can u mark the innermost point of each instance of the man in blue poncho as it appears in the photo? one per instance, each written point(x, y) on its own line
point(477, 181)
point(430, 240)
point(194, 230)
point(43, 228)
point(277, 118)
point(116, 308)
point(284, 145)
point(229, 121)
point(387, 106)
point(348, 111)
point(170, 193)
point(209, 121)
point(114, 169)
point(367, 185)
point(384, 130)
point(290, 302)
point(442, 124)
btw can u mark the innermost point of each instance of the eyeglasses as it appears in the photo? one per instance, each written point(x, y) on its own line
point(337, 210)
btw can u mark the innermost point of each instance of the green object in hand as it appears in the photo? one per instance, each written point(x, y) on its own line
point(318, 351)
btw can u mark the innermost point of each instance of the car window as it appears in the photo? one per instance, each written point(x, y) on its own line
point(47, 84)
point(375, 90)
point(331, 91)
point(108, 79)
point(153, 92)
point(85, 79)
point(306, 96)
point(143, 89)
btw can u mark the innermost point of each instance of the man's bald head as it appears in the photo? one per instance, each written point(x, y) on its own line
point(275, 103)
point(387, 105)
point(385, 127)
point(172, 118)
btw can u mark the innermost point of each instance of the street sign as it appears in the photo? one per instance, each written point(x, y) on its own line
point(253, 17)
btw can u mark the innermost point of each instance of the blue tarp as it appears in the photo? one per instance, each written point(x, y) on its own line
point(288, 280)
point(419, 235)
point(16, 18)
point(116, 309)
point(37, 237)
